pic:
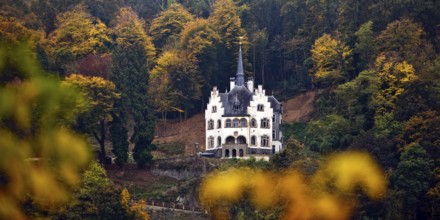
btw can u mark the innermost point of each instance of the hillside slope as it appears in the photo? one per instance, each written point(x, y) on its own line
point(192, 130)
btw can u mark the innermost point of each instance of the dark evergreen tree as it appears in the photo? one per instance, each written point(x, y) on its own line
point(412, 177)
point(119, 136)
point(130, 75)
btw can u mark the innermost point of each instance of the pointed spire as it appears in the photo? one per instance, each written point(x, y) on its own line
point(239, 79)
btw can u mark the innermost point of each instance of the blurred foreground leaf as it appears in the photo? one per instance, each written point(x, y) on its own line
point(40, 157)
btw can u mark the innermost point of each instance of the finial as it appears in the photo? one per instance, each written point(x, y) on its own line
point(240, 38)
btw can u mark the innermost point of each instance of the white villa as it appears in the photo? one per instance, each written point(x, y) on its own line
point(243, 122)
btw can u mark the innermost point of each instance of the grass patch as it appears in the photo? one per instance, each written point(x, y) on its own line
point(172, 148)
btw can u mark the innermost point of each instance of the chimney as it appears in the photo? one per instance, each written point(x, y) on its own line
point(250, 84)
point(232, 79)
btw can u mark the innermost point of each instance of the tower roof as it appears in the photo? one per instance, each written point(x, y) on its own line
point(239, 79)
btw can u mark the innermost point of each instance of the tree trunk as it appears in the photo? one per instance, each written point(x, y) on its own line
point(101, 141)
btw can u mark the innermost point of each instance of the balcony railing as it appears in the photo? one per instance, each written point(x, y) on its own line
point(234, 145)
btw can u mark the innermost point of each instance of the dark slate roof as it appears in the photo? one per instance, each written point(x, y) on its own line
point(236, 101)
point(239, 80)
point(275, 104)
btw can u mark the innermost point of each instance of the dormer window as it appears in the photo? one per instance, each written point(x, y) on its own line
point(214, 109)
point(260, 107)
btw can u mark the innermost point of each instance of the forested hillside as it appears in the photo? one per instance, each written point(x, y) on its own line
point(374, 66)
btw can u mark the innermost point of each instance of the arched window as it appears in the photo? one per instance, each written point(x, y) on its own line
point(253, 123)
point(240, 153)
point(228, 123)
point(264, 141)
point(234, 153)
point(243, 123)
point(236, 123)
point(260, 107)
point(230, 140)
point(265, 123)
point(241, 140)
point(210, 124)
point(219, 123)
point(210, 142)
point(227, 153)
point(253, 140)
point(219, 141)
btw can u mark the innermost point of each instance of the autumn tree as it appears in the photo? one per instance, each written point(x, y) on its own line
point(77, 34)
point(95, 65)
point(129, 31)
point(394, 76)
point(225, 20)
point(404, 40)
point(331, 59)
point(14, 32)
point(101, 96)
point(176, 75)
point(168, 25)
point(201, 40)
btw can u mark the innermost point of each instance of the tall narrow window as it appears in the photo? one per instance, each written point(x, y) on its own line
point(253, 123)
point(273, 134)
point(210, 142)
point(273, 119)
point(265, 123)
point(210, 124)
point(219, 141)
point(214, 109)
point(228, 123)
point(219, 123)
point(264, 141)
point(253, 140)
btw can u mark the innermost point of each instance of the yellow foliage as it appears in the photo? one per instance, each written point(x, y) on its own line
point(129, 30)
point(329, 56)
point(40, 159)
point(137, 208)
point(328, 194)
point(125, 198)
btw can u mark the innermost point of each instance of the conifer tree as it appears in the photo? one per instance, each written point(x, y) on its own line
point(130, 75)
point(119, 136)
